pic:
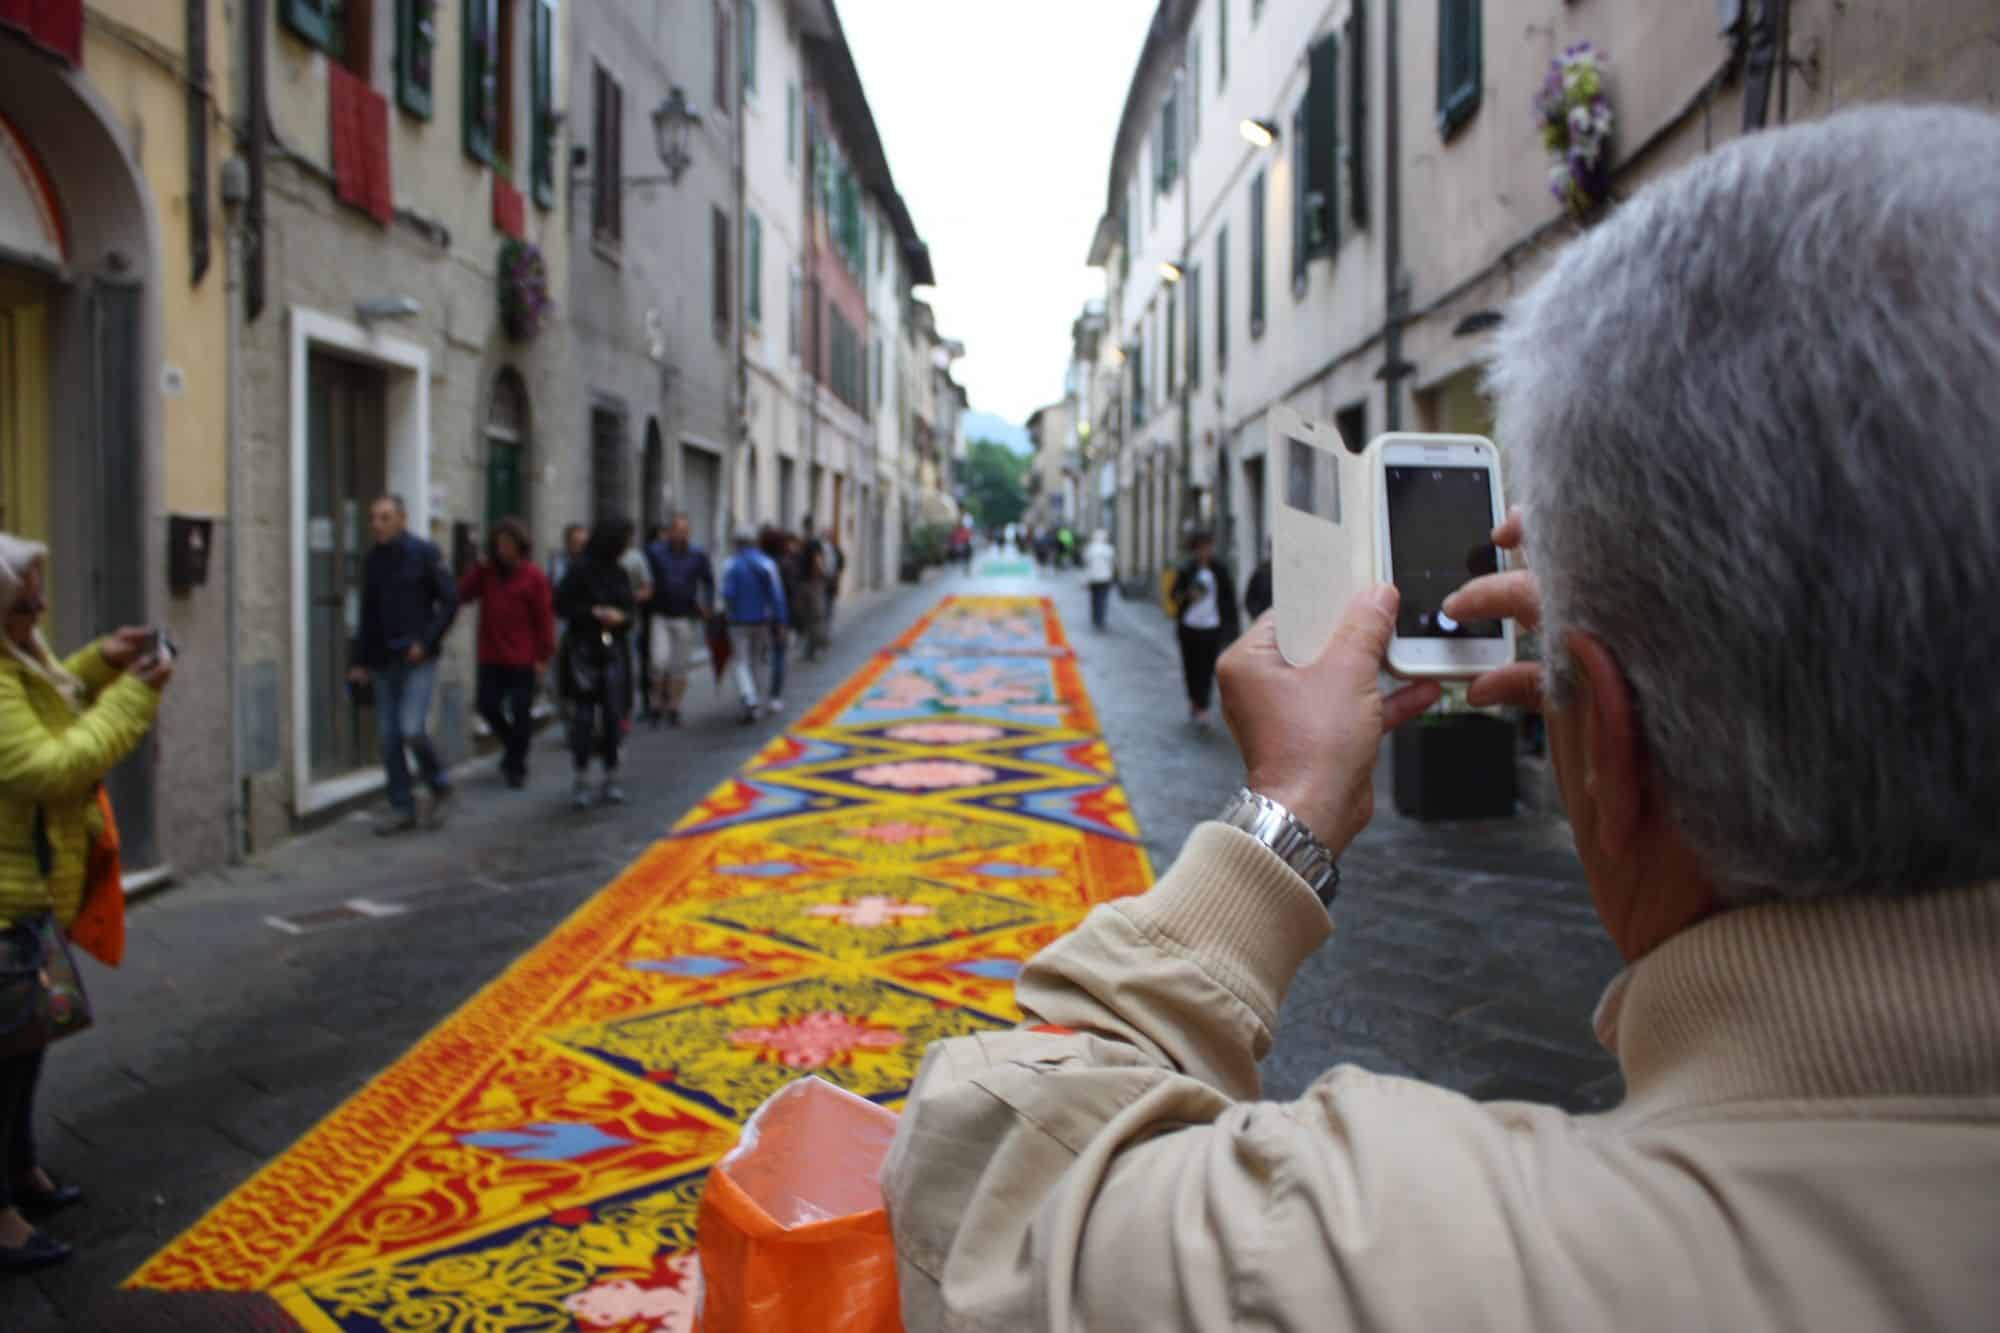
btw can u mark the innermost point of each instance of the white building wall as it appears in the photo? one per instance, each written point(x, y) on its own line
point(774, 185)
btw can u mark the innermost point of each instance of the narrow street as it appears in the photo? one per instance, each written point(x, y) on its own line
point(254, 1003)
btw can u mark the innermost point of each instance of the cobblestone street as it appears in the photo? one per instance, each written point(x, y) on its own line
point(1465, 954)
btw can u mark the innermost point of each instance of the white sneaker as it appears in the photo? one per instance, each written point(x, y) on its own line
point(775, 706)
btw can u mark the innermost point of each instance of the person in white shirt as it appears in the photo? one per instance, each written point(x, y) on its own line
point(1203, 596)
point(1099, 561)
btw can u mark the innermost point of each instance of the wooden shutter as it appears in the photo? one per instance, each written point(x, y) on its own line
point(719, 231)
point(1354, 143)
point(416, 46)
point(542, 104)
point(748, 34)
point(1193, 285)
point(1172, 338)
point(480, 78)
point(791, 124)
point(1301, 198)
point(311, 20)
point(722, 59)
point(1257, 229)
point(1459, 63)
point(1221, 299)
point(1323, 147)
point(753, 282)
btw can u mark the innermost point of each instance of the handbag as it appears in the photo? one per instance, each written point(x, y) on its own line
point(41, 994)
point(99, 927)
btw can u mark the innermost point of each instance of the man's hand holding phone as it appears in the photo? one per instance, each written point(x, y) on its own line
point(1512, 595)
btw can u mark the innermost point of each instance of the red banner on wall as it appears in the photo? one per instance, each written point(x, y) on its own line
point(360, 119)
point(54, 24)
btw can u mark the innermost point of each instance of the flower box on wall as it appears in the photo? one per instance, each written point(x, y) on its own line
point(1455, 766)
point(525, 303)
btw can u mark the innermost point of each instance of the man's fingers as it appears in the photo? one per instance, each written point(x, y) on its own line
point(1509, 595)
point(1408, 702)
point(1509, 534)
point(1518, 684)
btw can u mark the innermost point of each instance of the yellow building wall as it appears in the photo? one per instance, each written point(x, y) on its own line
point(135, 57)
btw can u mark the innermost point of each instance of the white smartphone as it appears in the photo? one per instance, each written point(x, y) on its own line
point(1323, 532)
point(1438, 501)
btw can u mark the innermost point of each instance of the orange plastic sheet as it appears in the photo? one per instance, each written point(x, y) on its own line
point(793, 1237)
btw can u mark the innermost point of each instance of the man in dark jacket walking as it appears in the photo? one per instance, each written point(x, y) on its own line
point(1204, 600)
point(517, 637)
point(407, 606)
point(683, 599)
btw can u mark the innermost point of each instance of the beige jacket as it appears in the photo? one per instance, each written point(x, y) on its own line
point(1810, 1141)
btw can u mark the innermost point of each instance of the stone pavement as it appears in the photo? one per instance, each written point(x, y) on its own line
point(1466, 954)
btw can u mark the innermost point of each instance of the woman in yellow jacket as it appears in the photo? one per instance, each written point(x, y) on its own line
point(63, 725)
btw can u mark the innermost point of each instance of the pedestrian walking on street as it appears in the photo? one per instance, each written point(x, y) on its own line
point(834, 561)
point(597, 607)
point(1100, 566)
point(683, 600)
point(753, 597)
point(575, 535)
point(639, 571)
point(1203, 596)
point(517, 638)
point(808, 605)
point(408, 601)
point(63, 726)
point(782, 550)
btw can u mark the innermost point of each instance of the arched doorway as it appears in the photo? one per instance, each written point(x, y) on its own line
point(653, 471)
point(80, 363)
point(507, 449)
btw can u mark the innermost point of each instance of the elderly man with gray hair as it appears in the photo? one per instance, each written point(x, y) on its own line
point(1754, 418)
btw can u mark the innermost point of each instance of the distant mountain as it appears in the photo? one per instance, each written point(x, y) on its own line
point(989, 426)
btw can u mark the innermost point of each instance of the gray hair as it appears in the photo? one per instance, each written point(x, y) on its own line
point(1752, 419)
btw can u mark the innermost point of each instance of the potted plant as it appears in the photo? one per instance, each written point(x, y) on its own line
point(1455, 763)
point(525, 303)
point(1574, 116)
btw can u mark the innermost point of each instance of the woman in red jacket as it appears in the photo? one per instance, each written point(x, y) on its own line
point(517, 637)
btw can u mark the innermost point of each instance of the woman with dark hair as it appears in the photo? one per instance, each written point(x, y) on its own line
point(596, 604)
point(517, 637)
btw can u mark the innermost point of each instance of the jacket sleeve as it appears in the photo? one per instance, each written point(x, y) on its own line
point(1108, 1167)
point(444, 601)
point(36, 764)
point(471, 584)
point(88, 665)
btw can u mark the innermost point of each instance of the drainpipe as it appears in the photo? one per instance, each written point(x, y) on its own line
point(235, 192)
point(1392, 223)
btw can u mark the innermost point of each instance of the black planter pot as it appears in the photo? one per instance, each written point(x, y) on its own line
point(910, 571)
point(1460, 766)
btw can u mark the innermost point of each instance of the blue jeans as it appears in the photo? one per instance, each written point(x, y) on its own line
point(402, 706)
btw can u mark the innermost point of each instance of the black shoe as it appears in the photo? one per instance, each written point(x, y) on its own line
point(40, 1250)
point(673, 717)
point(35, 1202)
point(516, 779)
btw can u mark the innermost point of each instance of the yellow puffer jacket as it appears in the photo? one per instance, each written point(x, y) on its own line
point(51, 760)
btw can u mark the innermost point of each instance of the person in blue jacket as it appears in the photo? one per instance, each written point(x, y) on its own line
point(408, 601)
point(753, 597)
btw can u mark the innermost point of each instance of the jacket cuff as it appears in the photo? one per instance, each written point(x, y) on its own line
point(1239, 911)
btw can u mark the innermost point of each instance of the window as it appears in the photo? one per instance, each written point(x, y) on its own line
point(480, 81)
point(1221, 45)
point(1322, 147)
point(753, 278)
point(542, 105)
point(1169, 162)
point(1459, 64)
point(607, 158)
point(1193, 285)
point(793, 300)
point(1173, 324)
point(1354, 144)
point(503, 87)
point(719, 259)
point(1301, 202)
point(791, 124)
point(1125, 242)
point(1256, 9)
point(416, 46)
point(1194, 92)
point(1257, 256)
point(1135, 356)
point(749, 31)
point(1221, 299)
point(341, 28)
point(724, 60)
point(881, 248)
point(881, 384)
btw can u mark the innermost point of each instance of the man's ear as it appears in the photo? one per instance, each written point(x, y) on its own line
point(1614, 751)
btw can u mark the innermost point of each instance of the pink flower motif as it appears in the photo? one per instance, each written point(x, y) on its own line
point(870, 912)
point(901, 831)
point(925, 774)
point(816, 1040)
point(944, 733)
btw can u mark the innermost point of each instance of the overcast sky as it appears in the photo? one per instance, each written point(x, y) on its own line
point(998, 117)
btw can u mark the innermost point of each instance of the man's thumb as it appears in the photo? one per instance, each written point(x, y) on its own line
point(1365, 630)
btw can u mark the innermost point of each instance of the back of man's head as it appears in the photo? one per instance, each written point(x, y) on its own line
point(1754, 418)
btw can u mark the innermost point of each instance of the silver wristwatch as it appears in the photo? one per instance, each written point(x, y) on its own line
point(1288, 838)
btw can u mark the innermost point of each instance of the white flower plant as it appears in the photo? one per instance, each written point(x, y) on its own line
point(1574, 115)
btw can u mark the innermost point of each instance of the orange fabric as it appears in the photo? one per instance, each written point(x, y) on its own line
point(99, 928)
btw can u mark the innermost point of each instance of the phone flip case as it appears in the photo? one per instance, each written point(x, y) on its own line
point(1323, 533)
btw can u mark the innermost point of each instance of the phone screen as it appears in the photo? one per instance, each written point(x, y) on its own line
point(1440, 535)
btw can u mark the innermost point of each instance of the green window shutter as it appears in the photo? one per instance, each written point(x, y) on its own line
point(311, 20)
point(1354, 144)
point(1221, 298)
point(480, 78)
point(753, 300)
point(1460, 63)
point(1322, 147)
point(1301, 199)
point(1257, 230)
point(541, 118)
point(747, 32)
point(1193, 286)
point(791, 124)
point(1173, 324)
point(416, 46)
point(1221, 45)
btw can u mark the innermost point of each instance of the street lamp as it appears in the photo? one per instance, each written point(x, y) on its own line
point(1170, 271)
point(1260, 133)
point(673, 120)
